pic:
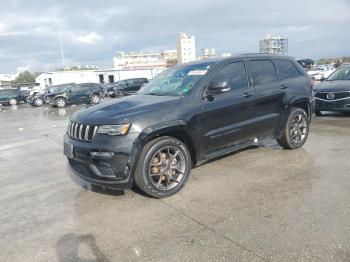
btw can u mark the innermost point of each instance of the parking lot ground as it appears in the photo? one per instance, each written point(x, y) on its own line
point(263, 203)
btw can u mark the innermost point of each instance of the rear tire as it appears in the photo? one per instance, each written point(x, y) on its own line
point(296, 129)
point(60, 102)
point(163, 167)
point(318, 113)
point(12, 101)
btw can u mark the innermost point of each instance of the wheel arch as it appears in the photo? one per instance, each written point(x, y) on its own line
point(304, 104)
point(177, 129)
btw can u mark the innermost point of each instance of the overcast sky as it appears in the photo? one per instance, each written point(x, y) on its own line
point(92, 31)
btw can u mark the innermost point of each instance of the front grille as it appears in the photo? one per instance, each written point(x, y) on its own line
point(81, 132)
point(337, 95)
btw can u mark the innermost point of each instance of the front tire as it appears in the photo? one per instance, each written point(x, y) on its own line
point(95, 99)
point(38, 102)
point(60, 102)
point(12, 101)
point(163, 167)
point(119, 93)
point(296, 129)
point(318, 113)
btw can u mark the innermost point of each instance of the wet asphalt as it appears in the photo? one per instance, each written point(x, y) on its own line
point(259, 204)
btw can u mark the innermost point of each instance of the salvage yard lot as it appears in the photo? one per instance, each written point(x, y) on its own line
point(263, 203)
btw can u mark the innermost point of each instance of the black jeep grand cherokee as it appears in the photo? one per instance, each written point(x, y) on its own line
point(187, 115)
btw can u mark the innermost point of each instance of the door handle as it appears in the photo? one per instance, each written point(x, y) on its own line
point(283, 87)
point(247, 95)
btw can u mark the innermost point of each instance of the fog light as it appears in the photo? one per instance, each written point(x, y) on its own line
point(102, 154)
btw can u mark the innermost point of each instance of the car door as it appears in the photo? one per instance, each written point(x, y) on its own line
point(3, 96)
point(76, 94)
point(225, 117)
point(131, 85)
point(270, 101)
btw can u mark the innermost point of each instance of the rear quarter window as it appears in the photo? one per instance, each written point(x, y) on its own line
point(263, 72)
point(286, 69)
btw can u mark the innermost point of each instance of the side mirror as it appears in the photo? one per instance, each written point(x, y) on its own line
point(323, 78)
point(218, 88)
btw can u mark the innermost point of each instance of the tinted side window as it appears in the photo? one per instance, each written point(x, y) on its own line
point(234, 73)
point(75, 87)
point(263, 72)
point(286, 69)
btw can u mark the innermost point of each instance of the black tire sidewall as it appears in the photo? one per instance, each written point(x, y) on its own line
point(150, 188)
point(290, 118)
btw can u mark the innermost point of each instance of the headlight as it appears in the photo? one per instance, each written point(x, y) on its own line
point(114, 130)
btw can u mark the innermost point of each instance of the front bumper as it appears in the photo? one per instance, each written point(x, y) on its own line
point(332, 105)
point(112, 171)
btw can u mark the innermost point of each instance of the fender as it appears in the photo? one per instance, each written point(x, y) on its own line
point(62, 95)
point(157, 130)
point(289, 106)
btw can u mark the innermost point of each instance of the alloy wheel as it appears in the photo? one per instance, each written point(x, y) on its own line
point(95, 99)
point(38, 102)
point(61, 103)
point(167, 168)
point(298, 128)
point(13, 101)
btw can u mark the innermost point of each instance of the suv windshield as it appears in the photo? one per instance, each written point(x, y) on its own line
point(340, 74)
point(55, 89)
point(177, 80)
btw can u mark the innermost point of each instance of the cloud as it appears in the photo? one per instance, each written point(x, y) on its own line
point(29, 30)
point(92, 38)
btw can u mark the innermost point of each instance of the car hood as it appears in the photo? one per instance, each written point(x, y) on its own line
point(333, 86)
point(146, 108)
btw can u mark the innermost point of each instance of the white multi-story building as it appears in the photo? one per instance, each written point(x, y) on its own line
point(226, 55)
point(186, 48)
point(138, 60)
point(274, 45)
point(170, 57)
point(208, 53)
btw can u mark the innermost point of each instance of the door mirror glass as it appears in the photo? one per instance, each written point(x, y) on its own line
point(219, 87)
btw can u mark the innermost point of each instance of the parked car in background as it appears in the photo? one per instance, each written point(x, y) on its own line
point(333, 93)
point(37, 90)
point(128, 86)
point(11, 96)
point(62, 95)
point(109, 89)
point(187, 115)
point(320, 71)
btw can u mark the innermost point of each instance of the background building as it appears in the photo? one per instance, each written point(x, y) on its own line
point(138, 60)
point(226, 55)
point(274, 45)
point(170, 57)
point(186, 48)
point(6, 79)
point(93, 76)
point(208, 53)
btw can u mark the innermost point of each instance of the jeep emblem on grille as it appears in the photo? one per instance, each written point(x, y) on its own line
point(330, 96)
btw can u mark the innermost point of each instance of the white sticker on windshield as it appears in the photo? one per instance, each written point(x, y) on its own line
point(197, 72)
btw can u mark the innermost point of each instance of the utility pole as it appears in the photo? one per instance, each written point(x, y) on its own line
point(61, 47)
